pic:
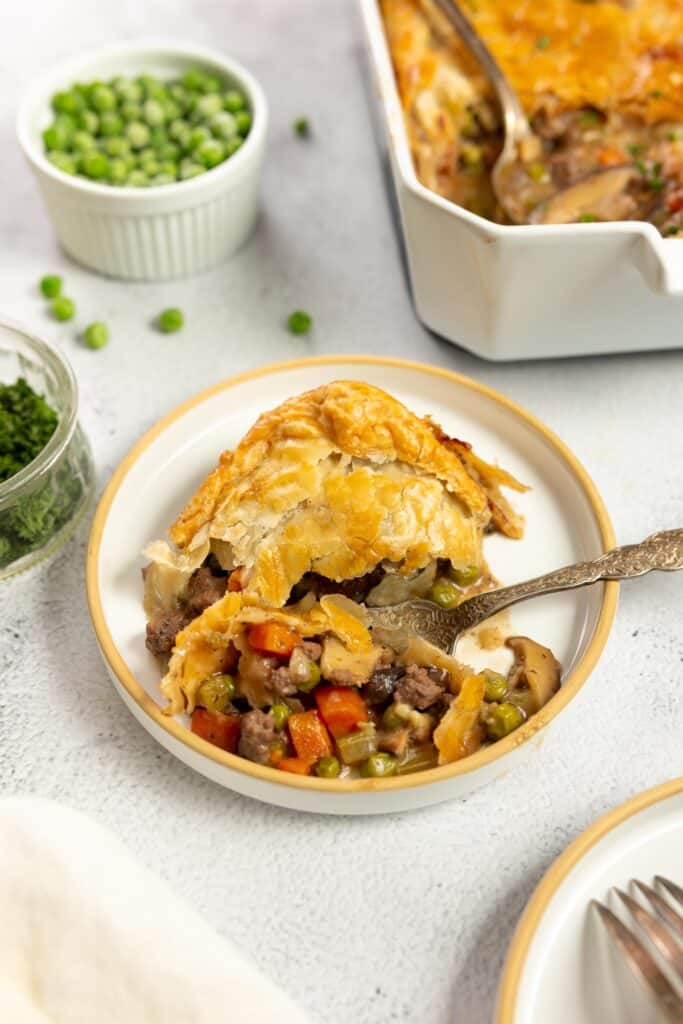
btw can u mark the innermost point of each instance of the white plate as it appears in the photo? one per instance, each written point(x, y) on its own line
point(559, 968)
point(566, 521)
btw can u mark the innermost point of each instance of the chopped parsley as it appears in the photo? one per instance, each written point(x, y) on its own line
point(672, 229)
point(587, 218)
point(543, 42)
point(635, 149)
point(27, 423)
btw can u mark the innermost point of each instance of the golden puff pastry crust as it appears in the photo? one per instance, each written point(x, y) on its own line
point(336, 481)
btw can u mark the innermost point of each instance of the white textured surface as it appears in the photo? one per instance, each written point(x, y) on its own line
point(389, 919)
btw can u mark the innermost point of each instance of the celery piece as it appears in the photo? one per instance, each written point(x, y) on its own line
point(418, 760)
point(357, 745)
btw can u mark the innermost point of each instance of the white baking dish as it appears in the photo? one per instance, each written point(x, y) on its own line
point(148, 233)
point(525, 292)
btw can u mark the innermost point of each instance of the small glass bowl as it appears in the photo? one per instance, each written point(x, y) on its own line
point(42, 503)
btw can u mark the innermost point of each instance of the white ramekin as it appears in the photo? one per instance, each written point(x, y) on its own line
point(148, 233)
point(528, 292)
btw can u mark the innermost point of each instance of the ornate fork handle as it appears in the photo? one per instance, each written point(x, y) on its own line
point(660, 551)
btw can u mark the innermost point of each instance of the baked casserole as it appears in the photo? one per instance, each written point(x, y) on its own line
point(601, 81)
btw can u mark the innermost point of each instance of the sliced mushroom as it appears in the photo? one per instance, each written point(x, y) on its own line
point(602, 194)
point(535, 669)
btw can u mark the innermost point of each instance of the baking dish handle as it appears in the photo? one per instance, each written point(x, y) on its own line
point(663, 267)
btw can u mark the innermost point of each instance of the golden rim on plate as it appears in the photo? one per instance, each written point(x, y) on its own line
point(483, 757)
point(516, 959)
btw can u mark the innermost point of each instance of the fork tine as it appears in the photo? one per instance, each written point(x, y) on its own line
point(655, 931)
point(643, 964)
point(671, 887)
point(667, 913)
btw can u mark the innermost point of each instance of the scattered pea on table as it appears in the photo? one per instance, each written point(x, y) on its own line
point(300, 322)
point(171, 320)
point(63, 308)
point(96, 335)
point(51, 286)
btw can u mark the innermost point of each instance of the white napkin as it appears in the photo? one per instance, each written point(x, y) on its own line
point(88, 936)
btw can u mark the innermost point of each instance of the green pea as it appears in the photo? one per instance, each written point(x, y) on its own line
point(392, 718)
point(131, 111)
point(169, 151)
point(193, 79)
point(178, 94)
point(88, 121)
point(445, 593)
point(111, 124)
point(63, 161)
point(168, 167)
point(209, 153)
point(234, 101)
point(95, 165)
point(302, 127)
point(137, 134)
point(137, 179)
point(63, 308)
point(118, 170)
point(464, 576)
point(57, 137)
point(153, 113)
point(163, 178)
point(171, 320)
point(151, 86)
point(179, 130)
point(243, 118)
point(197, 136)
point(223, 125)
point(280, 713)
point(171, 108)
point(207, 106)
point(232, 145)
point(328, 768)
point(211, 84)
point(378, 766)
point(216, 692)
point(502, 719)
point(96, 335)
point(102, 98)
point(150, 166)
point(67, 102)
point(127, 90)
point(116, 147)
point(313, 678)
point(51, 286)
point(158, 138)
point(83, 142)
point(495, 686)
point(299, 322)
point(190, 169)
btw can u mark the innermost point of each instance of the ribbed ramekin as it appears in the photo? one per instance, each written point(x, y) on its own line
point(148, 233)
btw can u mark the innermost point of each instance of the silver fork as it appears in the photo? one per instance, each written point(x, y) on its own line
point(662, 928)
point(443, 626)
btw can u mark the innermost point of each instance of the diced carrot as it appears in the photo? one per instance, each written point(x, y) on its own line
point(310, 737)
point(221, 730)
point(273, 638)
point(295, 765)
point(235, 582)
point(675, 202)
point(611, 157)
point(342, 708)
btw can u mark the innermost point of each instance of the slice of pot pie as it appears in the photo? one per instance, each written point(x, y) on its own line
point(337, 498)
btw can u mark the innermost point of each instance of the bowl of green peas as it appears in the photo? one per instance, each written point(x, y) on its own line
point(148, 157)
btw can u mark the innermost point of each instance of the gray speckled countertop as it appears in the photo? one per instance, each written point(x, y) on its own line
point(365, 920)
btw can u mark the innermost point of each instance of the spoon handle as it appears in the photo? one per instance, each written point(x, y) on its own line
point(516, 124)
point(660, 551)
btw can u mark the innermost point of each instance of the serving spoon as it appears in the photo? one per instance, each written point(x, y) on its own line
point(566, 204)
point(442, 627)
